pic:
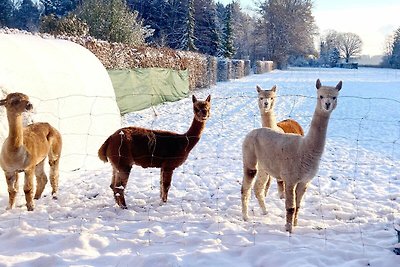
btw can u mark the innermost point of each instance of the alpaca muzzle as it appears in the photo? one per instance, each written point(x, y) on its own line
point(327, 106)
point(28, 106)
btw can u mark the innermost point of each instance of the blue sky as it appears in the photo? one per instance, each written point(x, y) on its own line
point(372, 20)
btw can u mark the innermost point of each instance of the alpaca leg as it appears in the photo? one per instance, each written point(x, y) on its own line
point(54, 175)
point(300, 190)
point(55, 142)
point(41, 179)
point(267, 186)
point(261, 185)
point(281, 188)
point(290, 205)
point(120, 179)
point(28, 189)
point(12, 183)
point(248, 179)
point(165, 183)
point(113, 179)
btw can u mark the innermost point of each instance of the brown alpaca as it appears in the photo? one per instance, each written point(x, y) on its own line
point(25, 150)
point(266, 103)
point(151, 148)
point(291, 126)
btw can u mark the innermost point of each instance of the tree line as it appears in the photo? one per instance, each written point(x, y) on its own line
point(279, 30)
point(392, 53)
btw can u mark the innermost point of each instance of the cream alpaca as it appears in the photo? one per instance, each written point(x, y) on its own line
point(266, 103)
point(292, 157)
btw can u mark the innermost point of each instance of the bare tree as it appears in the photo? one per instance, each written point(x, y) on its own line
point(289, 29)
point(350, 45)
point(243, 26)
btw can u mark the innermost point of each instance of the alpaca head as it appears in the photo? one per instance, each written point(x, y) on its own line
point(16, 103)
point(327, 96)
point(266, 99)
point(201, 109)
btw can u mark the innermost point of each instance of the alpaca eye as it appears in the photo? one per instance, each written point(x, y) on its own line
point(334, 98)
point(321, 97)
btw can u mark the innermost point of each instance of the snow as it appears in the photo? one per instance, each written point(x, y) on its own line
point(347, 218)
point(68, 87)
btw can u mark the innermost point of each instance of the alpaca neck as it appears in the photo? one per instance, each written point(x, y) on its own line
point(195, 129)
point(268, 119)
point(194, 133)
point(315, 138)
point(15, 131)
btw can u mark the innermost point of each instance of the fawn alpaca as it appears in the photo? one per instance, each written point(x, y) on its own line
point(25, 150)
point(266, 103)
point(152, 148)
point(293, 158)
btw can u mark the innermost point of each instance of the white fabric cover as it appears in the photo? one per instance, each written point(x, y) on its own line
point(68, 87)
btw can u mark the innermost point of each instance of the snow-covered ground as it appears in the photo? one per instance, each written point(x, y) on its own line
point(348, 214)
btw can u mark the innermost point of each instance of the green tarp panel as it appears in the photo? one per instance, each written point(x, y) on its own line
point(140, 88)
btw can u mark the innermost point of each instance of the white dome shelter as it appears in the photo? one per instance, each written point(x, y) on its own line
point(68, 87)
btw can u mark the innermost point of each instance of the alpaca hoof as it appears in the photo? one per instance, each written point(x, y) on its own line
point(55, 197)
point(289, 228)
point(282, 196)
point(30, 207)
point(245, 218)
point(9, 207)
point(264, 212)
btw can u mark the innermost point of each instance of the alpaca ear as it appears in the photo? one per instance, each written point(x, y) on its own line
point(208, 99)
point(273, 89)
point(339, 86)
point(3, 102)
point(194, 99)
point(258, 88)
point(318, 84)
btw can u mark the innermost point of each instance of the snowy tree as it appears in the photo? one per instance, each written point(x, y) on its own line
point(154, 14)
point(173, 22)
point(206, 27)
point(228, 46)
point(112, 20)
point(26, 16)
point(179, 23)
point(289, 27)
point(60, 8)
point(6, 11)
point(69, 25)
point(350, 45)
point(329, 49)
point(323, 54)
point(394, 51)
point(334, 57)
point(190, 24)
point(243, 27)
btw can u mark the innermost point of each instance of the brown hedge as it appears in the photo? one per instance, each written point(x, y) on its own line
point(122, 56)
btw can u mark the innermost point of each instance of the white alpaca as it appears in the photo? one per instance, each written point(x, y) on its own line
point(293, 158)
point(266, 103)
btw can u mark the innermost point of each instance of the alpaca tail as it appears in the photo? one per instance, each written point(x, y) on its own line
point(102, 153)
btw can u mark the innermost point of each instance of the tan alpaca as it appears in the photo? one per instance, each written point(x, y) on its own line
point(292, 157)
point(25, 150)
point(266, 103)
